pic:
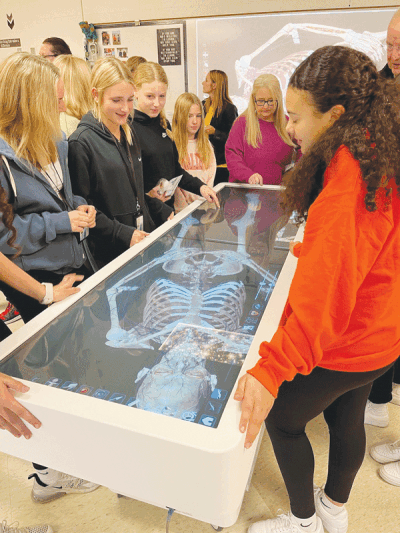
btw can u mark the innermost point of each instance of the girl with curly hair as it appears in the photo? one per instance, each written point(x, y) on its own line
point(340, 329)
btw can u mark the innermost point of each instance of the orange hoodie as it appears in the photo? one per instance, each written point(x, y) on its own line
point(343, 309)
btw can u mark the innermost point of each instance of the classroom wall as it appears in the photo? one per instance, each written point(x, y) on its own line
point(98, 11)
point(34, 20)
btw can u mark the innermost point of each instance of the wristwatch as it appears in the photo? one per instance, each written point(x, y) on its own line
point(48, 297)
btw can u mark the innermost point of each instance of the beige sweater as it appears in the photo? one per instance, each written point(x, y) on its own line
point(68, 123)
point(195, 167)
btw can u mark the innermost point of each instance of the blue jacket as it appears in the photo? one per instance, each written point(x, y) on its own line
point(41, 217)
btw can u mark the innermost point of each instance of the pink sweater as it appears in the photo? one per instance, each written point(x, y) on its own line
point(268, 160)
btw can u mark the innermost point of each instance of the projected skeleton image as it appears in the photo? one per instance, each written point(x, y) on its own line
point(197, 299)
point(169, 330)
point(372, 44)
point(180, 384)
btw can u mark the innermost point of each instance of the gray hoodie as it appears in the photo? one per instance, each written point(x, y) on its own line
point(41, 217)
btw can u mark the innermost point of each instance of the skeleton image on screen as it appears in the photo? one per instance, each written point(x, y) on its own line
point(196, 299)
point(169, 329)
point(180, 383)
point(372, 44)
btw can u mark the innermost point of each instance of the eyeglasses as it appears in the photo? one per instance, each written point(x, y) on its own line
point(261, 103)
point(49, 55)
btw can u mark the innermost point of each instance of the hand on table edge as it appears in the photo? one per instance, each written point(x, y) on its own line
point(257, 402)
point(11, 411)
point(209, 194)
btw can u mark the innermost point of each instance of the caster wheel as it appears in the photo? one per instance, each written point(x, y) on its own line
point(217, 528)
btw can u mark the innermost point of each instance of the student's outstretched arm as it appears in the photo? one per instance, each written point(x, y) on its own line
point(23, 282)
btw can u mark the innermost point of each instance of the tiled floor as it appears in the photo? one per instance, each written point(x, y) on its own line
point(374, 506)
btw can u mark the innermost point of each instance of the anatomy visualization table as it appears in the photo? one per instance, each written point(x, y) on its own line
point(132, 378)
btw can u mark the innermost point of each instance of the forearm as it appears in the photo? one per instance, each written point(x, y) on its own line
point(112, 231)
point(190, 183)
point(20, 280)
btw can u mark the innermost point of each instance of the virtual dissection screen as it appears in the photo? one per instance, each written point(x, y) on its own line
point(169, 331)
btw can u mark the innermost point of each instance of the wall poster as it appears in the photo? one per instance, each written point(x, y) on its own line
point(169, 46)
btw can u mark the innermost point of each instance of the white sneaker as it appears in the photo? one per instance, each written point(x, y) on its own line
point(376, 414)
point(65, 484)
point(386, 453)
point(396, 394)
point(281, 524)
point(338, 523)
point(391, 473)
point(4, 528)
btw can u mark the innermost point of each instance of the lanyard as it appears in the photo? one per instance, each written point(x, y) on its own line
point(128, 151)
point(59, 192)
point(139, 213)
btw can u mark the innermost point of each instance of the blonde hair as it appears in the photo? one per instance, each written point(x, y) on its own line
point(180, 133)
point(221, 95)
point(29, 117)
point(253, 132)
point(75, 74)
point(147, 73)
point(107, 72)
point(134, 61)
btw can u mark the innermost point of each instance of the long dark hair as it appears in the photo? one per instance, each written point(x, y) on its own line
point(369, 127)
point(7, 216)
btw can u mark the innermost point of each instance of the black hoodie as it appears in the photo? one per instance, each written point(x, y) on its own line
point(160, 156)
point(102, 173)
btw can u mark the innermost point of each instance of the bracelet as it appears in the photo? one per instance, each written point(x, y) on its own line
point(48, 297)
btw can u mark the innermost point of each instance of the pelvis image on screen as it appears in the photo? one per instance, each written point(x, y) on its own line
point(169, 330)
point(180, 385)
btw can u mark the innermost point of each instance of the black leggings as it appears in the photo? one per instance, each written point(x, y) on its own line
point(342, 397)
point(381, 391)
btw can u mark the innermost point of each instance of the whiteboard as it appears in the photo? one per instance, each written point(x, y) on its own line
point(128, 39)
point(246, 46)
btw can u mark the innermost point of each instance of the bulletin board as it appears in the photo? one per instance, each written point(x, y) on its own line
point(163, 42)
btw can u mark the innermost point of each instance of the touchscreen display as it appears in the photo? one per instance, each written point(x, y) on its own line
point(169, 331)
